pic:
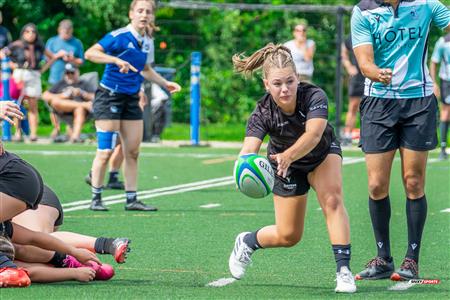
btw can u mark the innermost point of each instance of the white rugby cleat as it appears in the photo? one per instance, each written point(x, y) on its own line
point(240, 257)
point(345, 283)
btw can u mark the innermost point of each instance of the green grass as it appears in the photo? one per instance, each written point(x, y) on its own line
point(182, 247)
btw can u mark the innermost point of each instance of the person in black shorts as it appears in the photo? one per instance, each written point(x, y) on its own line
point(15, 174)
point(398, 112)
point(355, 89)
point(304, 152)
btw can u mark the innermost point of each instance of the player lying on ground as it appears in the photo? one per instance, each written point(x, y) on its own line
point(47, 218)
point(304, 152)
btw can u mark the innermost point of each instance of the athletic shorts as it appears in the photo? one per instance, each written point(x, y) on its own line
point(388, 124)
point(296, 182)
point(32, 85)
point(49, 198)
point(113, 106)
point(20, 180)
point(356, 85)
point(445, 92)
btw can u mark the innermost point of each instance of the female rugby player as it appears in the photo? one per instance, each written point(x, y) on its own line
point(304, 152)
point(127, 53)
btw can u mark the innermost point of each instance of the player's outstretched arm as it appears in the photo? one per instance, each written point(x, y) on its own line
point(251, 145)
point(42, 240)
point(151, 75)
point(44, 273)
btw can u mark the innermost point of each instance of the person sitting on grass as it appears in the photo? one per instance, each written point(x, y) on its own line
point(71, 98)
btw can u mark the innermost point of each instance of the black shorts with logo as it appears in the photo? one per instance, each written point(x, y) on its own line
point(296, 182)
point(388, 124)
point(21, 180)
point(356, 85)
point(114, 106)
point(49, 198)
point(445, 92)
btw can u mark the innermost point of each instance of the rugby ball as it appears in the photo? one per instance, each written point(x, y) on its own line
point(254, 175)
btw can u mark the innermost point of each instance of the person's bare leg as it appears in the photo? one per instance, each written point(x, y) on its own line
point(350, 119)
point(79, 116)
point(42, 219)
point(33, 117)
point(326, 180)
point(131, 135)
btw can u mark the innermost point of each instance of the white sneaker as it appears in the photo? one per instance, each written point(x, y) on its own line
point(240, 257)
point(345, 283)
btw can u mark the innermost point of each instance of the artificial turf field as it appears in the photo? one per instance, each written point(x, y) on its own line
point(184, 246)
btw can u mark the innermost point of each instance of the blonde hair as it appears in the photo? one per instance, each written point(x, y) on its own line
point(266, 58)
point(6, 247)
point(134, 2)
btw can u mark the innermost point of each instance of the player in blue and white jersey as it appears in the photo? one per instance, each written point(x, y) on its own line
point(127, 53)
point(441, 55)
point(398, 111)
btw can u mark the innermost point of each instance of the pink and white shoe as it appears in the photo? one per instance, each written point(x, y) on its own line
point(72, 262)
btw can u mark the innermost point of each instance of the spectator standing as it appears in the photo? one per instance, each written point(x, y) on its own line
point(302, 50)
point(27, 55)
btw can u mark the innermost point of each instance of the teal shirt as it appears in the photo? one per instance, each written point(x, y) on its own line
point(441, 55)
point(400, 42)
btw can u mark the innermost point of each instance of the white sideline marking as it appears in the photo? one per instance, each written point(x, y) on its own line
point(210, 205)
point(447, 210)
point(176, 189)
point(144, 154)
point(153, 195)
point(221, 282)
point(154, 191)
point(401, 286)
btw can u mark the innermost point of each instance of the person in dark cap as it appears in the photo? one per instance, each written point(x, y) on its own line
point(71, 99)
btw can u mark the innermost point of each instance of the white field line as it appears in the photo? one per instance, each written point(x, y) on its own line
point(401, 286)
point(447, 210)
point(193, 186)
point(143, 154)
point(148, 196)
point(154, 191)
point(210, 205)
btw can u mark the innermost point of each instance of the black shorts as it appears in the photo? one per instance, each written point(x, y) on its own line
point(445, 92)
point(296, 182)
point(49, 198)
point(356, 85)
point(387, 124)
point(20, 180)
point(113, 106)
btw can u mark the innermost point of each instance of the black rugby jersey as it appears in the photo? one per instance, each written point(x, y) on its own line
point(284, 130)
point(6, 158)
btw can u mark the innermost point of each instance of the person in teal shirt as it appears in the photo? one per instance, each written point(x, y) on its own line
point(66, 48)
point(398, 111)
point(441, 55)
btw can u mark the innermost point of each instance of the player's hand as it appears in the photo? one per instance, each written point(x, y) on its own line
point(2, 150)
point(143, 100)
point(173, 87)
point(283, 163)
point(352, 71)
point(60, 54)
point(84, 256)
point(124, 66)
point(84, 274)
point(436, 90)
point(385, 76)
point(9, 110)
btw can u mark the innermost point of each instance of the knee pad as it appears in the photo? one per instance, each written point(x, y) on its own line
point(106, 140)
